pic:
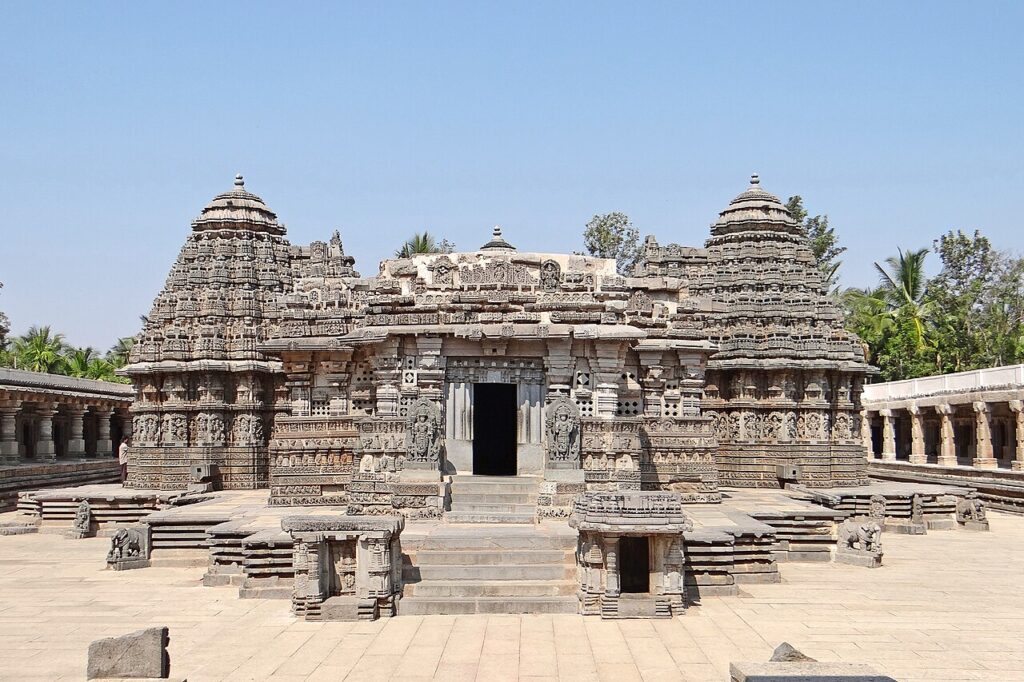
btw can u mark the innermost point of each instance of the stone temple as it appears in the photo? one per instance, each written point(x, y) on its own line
point(496, 430)
point(280, 366)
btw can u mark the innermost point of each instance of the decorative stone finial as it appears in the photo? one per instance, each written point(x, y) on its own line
point(755, 180)
point(497, 242)
point(239, 181)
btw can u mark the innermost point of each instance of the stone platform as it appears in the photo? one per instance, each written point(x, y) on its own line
point(35, 475)
point(1001, 489)
point(964, 622)
point(453, 568)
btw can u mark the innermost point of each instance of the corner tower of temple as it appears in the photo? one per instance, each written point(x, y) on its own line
point(784, 385)
point(204, 389)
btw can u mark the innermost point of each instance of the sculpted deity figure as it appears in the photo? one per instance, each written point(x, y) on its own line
point(550, 275)
point(563, 431)
point(876, 509)
point(423, 432)
point(83, 517)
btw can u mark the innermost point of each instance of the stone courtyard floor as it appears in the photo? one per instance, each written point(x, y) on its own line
point(946, 606)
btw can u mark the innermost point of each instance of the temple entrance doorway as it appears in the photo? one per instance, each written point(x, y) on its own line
point(494, 429)
point(634, 565)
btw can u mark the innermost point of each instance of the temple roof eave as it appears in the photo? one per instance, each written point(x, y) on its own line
point(852, 366)
point(17, 379)
point(523, 332)
point(167, 366)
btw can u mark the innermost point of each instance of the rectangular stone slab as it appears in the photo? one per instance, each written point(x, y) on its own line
point(138, 654)
point(804, 671)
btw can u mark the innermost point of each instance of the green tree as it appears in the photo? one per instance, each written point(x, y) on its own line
point(977, 303)
point(119, 352)
point(39, 350)
point(423, 243)
point(823, 240)
point(903, 284)
point(77, 361)
point(612, 235)
point(5, 327)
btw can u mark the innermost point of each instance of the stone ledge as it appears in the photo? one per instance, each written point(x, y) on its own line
point(804, 671)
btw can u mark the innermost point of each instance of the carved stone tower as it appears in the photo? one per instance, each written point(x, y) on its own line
point(204, 390)
point(784, 387)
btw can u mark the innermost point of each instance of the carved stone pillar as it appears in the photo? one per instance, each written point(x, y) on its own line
point(888, 435)
point(76, 437)
point(947, 436)
point(983, 457)
point(9, 432)
point(611, 565)
point(430, 366)
point(45, 447)
point(103, 445)
point(917, 453)
point(1017, 408)
point(386, 374)
point(865, 434)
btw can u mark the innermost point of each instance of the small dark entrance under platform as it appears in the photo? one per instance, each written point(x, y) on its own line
point(494, 429)
point(634, 564)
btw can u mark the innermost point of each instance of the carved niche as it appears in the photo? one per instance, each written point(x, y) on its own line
point(423, 432)
point(562, 423)
point(550, 275)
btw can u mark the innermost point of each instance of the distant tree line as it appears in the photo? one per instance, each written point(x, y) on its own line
point(41, 350)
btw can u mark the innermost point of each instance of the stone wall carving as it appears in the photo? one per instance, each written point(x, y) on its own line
point(562, 422)
point(423, 432)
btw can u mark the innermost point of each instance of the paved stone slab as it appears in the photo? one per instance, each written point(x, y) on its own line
point(945, 606)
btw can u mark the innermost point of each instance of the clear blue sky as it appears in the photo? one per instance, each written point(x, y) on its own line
point(120, 121)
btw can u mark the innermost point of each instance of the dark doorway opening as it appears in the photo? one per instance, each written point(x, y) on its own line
point(634, 565)
point(494, 429)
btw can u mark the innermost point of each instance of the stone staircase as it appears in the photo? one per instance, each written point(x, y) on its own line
point(485, 568)
point(493, 499)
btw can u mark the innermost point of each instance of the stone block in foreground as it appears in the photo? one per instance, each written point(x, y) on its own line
point(804, 671)
point(140, 654)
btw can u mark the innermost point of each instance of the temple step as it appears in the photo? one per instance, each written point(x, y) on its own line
point(491, 572)
point(426, 606)
point(493, 499)
point(464, 589)
point(477, 557)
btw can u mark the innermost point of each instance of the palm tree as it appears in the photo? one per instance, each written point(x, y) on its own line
point(867, 315)
point(39, 350)
point(119, 352)
point(903, 286)
point(78, 360)
point(418, 243)
point(102, 370)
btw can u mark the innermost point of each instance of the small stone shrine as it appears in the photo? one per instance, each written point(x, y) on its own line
point(346, 567)
point(631, 557)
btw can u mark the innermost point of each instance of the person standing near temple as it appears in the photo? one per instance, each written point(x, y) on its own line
point(122, 458)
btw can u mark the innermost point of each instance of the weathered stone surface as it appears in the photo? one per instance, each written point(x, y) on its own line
point(137, 654)
point(804, 672)
point(786, 652)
